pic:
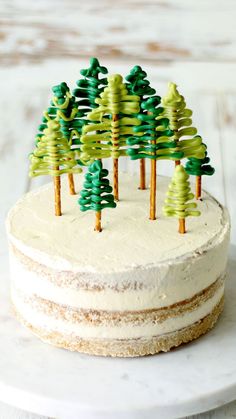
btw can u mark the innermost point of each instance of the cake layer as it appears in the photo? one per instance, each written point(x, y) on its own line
point(33, 279)
point(126, 347)
point(116, 325)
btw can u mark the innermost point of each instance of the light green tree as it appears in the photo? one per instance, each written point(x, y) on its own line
point(64, 109)
point(53, 156)
point(178, 196)
point(181, 124)
point(116, 115)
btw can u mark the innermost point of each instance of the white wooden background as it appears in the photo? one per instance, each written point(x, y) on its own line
point(45, 42)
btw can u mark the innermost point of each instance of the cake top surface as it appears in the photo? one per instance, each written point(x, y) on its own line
point(129, 239)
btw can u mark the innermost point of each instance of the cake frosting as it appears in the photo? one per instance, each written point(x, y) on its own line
point(138, 287)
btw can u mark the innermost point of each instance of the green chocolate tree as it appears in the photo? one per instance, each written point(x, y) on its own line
point(139, 85)
point(97, 192)
point(54, 157)
point(198, 168)
point(70, 121)
point(178, 196)
point(91, 86)
point(65, 110)
point(155, 142)
point(116, 115)
point(181, 124)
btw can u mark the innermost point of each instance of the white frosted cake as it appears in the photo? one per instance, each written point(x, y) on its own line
point(137, 288)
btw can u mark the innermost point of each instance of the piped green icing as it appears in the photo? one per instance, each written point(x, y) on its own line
point(181, 123)
point(115, 99)
point(155, 140)
point(97, 192)
point(107, 138)
point(67, 112)
point(178, 195)
point(52, 155)
point(63, 108)
point(199, 167)
point(174, 99)
point(138, 84)
point(90, 87)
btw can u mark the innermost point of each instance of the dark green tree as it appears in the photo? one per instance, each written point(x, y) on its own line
point(199, 168)
point(155, 142)
point(91, 86)
point(70, 117)
point(137, 84)
point(97, 192)
point(63, 106)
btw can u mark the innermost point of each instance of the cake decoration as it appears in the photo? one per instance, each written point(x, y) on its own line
point(90, 87)
point(68, 116)
point(198, 168)
point(53, 156)
point(178, 195)
point(64, 109)
point(68, 113)
point(140, 287)
point(139, 85)
point(97, 192)
point(106, 117)
point(155, 142)
point(181, 123)
point(115, 113)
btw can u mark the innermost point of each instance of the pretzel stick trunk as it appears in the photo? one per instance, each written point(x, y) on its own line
point(98, 142)
point(198, 187)
point(115, 163)
point(177, 162)
point(182, 229)
point(57, 193)
point(142, 170)
point(116, 179)
point(153, 185)
point(71, 183)
point(98, 216)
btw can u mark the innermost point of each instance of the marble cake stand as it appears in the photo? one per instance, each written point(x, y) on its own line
point(53, 382)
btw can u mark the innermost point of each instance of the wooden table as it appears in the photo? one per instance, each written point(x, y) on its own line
point(191, 43)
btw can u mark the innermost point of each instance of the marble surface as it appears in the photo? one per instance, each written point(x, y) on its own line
point(53, 382)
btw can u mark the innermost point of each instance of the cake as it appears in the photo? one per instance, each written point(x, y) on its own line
point(137, 288)
point(126, 282)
